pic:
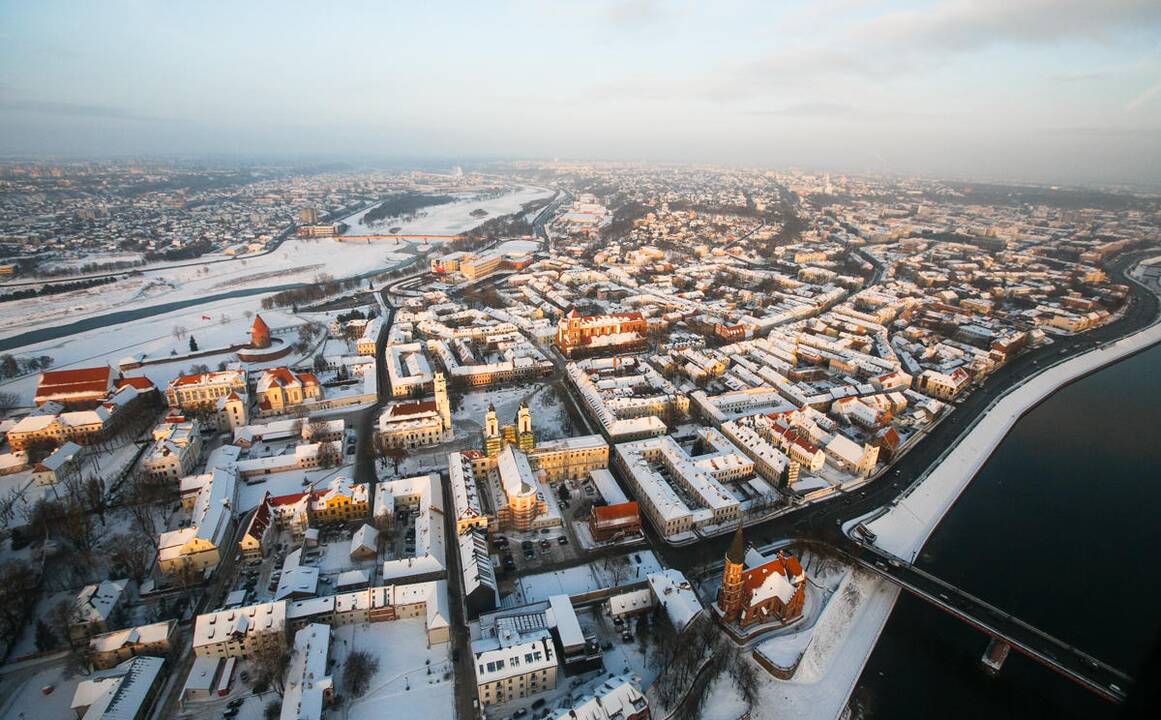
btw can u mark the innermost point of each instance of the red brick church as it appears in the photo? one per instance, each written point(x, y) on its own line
point(774, 591)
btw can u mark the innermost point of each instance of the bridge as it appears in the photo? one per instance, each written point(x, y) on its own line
point(1005, 629)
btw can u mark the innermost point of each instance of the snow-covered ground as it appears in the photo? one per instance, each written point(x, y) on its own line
point(596, 575)
point(295, 261)
point(403, 680)
point(24, 698)
point(450, 218)
point(838, 648)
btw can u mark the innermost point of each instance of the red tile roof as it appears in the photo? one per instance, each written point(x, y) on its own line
point(96, 381)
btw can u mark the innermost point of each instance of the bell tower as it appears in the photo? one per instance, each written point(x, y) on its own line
point(491, 433)
point(525, 438)
point(730, 594)
point(441, 402)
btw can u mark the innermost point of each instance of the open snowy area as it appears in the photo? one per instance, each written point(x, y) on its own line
point(297, 260)
point(413, 678)
point(449, 218)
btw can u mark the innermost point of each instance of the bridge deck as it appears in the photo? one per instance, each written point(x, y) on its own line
point(1073, 663)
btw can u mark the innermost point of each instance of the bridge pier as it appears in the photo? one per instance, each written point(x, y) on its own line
point(995, 655)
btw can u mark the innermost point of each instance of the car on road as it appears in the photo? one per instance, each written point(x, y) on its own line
point(528, 555)
point(562, 540)
point(545, 544)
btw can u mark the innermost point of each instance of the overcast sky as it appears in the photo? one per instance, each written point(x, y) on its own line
point(1065, 91)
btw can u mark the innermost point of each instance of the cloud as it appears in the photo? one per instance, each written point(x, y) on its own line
point(889, 45)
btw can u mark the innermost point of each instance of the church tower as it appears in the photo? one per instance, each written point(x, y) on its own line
point(441, 402)
point(491, 433)
point(730, 594)
point(525, 438)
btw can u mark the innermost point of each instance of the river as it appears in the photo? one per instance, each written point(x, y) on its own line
point(1059, 528)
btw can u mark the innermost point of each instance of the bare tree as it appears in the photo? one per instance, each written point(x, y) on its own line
point(131, 554)
point(270, 661)
point(61, 618)
point(745, 677)
point(178, 332)
point(18, 583)
point(328, 455)
point(358, 670)
point(8, 401)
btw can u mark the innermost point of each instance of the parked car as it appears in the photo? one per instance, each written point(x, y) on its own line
point(562, 540)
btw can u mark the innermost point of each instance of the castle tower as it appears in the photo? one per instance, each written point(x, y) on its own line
point(525, 438)
point(491, 433)
point(441, 402)
point(730, 593)
point(259, 333)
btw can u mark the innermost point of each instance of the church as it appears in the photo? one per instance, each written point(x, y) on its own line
point(767, 591)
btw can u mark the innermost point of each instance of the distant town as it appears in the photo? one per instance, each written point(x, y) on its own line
point(526, 440)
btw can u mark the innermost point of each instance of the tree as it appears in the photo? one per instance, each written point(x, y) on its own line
point(61, 617)
point(193, 344)
point(130, 555)
point(745, 677)
point(46, 639)
point(358, 670)
point(328, 455)
point(8, 401)
point(18, 583)
point(273, 710)
point(270, 662)
point(178, 332)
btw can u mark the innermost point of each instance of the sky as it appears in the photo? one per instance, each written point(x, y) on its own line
point(1065, 91)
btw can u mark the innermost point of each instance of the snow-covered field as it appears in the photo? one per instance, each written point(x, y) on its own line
point(295, 261)
point(402, 681)
point(450, 218)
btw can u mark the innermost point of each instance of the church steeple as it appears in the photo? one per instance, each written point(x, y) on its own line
point(737, 551)
point(729, 602)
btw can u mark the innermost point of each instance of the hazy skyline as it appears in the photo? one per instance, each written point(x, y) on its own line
point(1064, 91)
